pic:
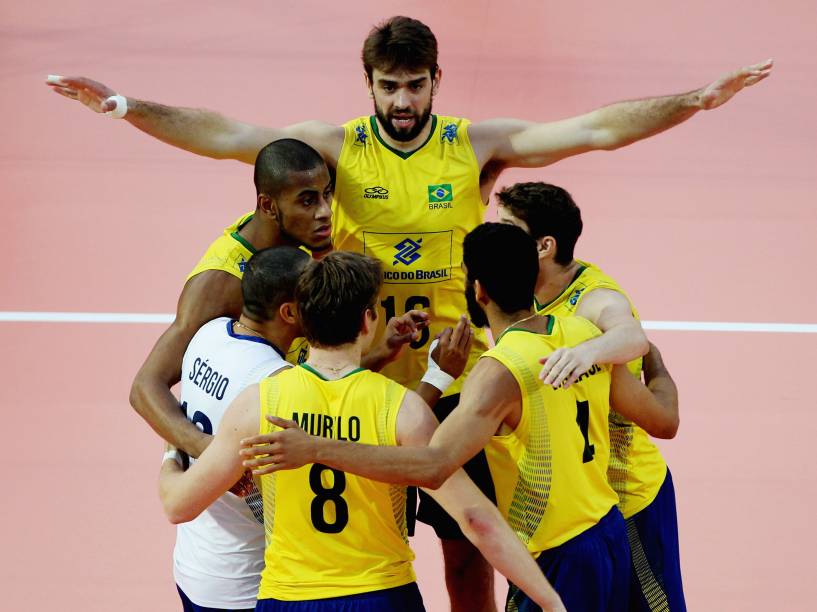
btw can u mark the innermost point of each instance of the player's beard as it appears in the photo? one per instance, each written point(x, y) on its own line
point(403, 135)
point(475, 310)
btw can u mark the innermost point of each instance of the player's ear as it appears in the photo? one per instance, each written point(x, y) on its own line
point(436, 76)
point(265, 205)
point(480, 293)
point(546, 247)
point(288, 313)
point(369, 85)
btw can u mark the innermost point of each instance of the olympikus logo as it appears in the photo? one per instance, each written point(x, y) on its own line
point(407, 252)
point(376, 193)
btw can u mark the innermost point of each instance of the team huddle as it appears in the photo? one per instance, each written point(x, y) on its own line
point(332, 351)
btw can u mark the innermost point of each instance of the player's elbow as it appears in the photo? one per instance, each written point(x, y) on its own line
point(667, 428)
point(137, 393)
point(479, 523)
point(176, 511)
point(433, 477)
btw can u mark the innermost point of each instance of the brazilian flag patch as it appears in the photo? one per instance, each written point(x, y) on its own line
point(440, 193)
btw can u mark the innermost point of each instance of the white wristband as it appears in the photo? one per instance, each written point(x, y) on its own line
point(121, 108)
point(434, 375)
point(438, 378)
point(173, 454)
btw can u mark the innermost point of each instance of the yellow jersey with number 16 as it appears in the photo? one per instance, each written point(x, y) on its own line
point(637, 469)
point(229, 253)
point(329, 533)
point(411, 211)
point(550, 473)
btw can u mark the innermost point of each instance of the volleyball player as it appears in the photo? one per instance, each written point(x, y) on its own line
point(567, 286)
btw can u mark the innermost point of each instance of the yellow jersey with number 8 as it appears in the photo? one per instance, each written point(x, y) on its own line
point(637, 469)
point(329, 533)
point(550, 473)
point(411, 211)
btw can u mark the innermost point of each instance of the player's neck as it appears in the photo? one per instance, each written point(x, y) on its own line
point(335, 362)
point(407, 146)
point(501, 322)
point(553, 279)
point(261, 234)
point(275, 332)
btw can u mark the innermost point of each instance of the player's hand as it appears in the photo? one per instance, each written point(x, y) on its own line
point(91, 93)
point(722, 90)
point(286, 449)
point(244, 486)
point(402, 330)
point(451, 349)
point(564, 365)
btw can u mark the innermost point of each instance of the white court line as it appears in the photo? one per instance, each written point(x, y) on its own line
point(136, 317)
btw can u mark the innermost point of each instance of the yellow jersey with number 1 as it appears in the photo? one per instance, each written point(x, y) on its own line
point(329, 533)
point(411, 211)
point(637, 469)
point(550, 473)
point(229, 253)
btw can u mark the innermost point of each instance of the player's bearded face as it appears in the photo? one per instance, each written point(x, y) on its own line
point(475, 310)
point(391, 119)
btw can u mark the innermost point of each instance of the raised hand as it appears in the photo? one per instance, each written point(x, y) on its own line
point(722, 90)
point(451, 350)
point(92, 94)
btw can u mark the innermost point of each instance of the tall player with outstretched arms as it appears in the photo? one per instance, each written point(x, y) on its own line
point(410, 185)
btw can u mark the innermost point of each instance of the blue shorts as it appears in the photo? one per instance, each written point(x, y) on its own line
point(404, 598)
point(656, 570)
point(189, 606)
point(590, 572)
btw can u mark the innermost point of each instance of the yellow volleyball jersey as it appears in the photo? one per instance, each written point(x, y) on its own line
point(411, 212)
point(550, 472)
point(329, 533)
point(637, 469)
point(229, 253)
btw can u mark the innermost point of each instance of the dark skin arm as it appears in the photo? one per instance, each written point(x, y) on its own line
point(206, 296)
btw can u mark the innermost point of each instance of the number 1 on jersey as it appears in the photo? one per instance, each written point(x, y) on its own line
point(583, 421)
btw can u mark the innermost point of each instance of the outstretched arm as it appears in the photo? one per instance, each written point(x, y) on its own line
point(653, 407)
point(622, 339)
point(515, 143)
point(484, 526)
point(199, 131)
point(488, 396)
point(185, 495)
point(206, 296)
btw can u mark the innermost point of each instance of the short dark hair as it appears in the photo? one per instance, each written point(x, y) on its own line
point(270, 277)
point(276, 160)
point(400, 42)
point(333, 295)
point(504, 260)
point(548, 210)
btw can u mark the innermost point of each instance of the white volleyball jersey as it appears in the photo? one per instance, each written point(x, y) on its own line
point(219, 555)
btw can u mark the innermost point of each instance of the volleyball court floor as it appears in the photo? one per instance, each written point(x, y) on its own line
point(710, 223)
